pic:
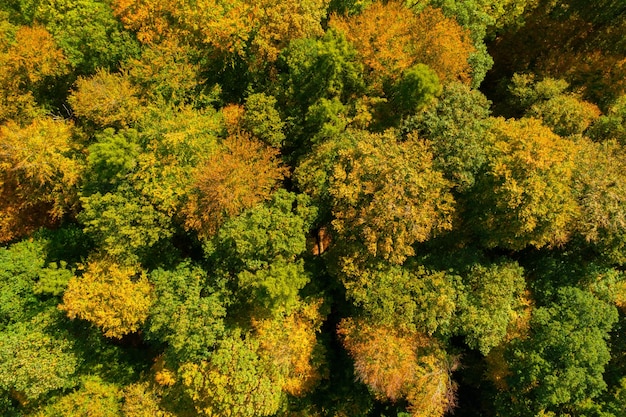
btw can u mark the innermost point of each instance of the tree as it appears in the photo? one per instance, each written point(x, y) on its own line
point(260, 251)
point(600, 189)
point(168, 71)
point(489, 304)
point(290, 343)
point(39, 171)
point(94, 398)
point(455, 125)
point(418, 86)
point(115, 298)
point(26, 279)
point(106, 100)
point(320, 69)
point(398, 365)
point(564, 112)
point(256, 32)
point(27, 63)
point(34, 362)
point(87, 32)
point(560, 365)
point(387, 195)
point(525, 193)
point(262, 119)
point(427, 37)
point(187, 314)
point(243, 173)
point(124, 224)
point(235, 380)
point(407, 298)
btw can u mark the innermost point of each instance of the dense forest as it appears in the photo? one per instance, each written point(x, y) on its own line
point(312, 208)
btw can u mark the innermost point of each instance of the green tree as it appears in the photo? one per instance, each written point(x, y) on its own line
point(87, 32)
point(408, 297)
point(94, 398)
point(548, 100)
point(34, 362)
point(263, 120)
point(490, 302)
point(456, 126)
point(187, 314)
point(261, 250)
point(560, 365)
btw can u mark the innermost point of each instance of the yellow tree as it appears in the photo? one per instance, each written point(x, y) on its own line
point(106, 99)
point(113, 297)
point(256, 31)
point(525, 195)
point(387, 195)
point(39, 172)
point(26, 63)
point(408, 39)
point(290, 343)
point(395, 366)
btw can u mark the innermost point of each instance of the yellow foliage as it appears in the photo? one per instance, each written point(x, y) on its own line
point(239, 176)
point(398, 365)
point(407, 39)
point(106, 99)
point(528, 186)
point(28, 61)
point(141, 400)
point(113, 297)
point(38, 175)
point(233, 116)
point(257, 30)
point(290, 343)
point(388, 195)
point(162, 374)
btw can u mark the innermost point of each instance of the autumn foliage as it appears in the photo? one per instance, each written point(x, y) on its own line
point(237, 177)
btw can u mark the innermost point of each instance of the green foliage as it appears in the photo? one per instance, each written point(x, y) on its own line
point(112, 158)
point(262, 119)
point(324, 68)
point(270, 231)
point(20, 266)
point(187, 313)
point(402, 297)
point(260, 247)
point(611, 125)
point(565, 113)
point(88, 33)
point(33, 362)
point(94, 398)
point(560, 364)
point(456, 125)
point(123, 224)
point(489, 303)
point(415, 89)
